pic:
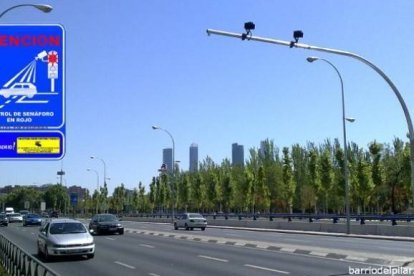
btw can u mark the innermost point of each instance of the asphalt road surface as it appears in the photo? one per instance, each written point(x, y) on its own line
point(157, 249)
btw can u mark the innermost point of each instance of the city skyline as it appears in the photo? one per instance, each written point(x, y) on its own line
point(131, 65)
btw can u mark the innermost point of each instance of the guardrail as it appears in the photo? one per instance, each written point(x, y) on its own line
point(18, 262)
point(309, 217)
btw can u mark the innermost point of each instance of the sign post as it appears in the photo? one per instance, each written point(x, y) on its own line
point(32, 92)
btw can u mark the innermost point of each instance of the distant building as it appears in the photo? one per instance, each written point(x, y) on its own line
point(237, 154)
point(167, 158)
point(76, 190)
point(193, 157)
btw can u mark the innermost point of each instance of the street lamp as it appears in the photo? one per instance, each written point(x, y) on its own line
point(296, 44)
point(104, 164)
point(173, 164)
point(97, 186)
point(41, 7)
point(346, 173)
point(97, 177)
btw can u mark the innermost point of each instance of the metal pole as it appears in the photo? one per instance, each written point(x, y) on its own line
point(346, 171)
point(104, 164)
point(173, 168)
point(343, 53)
point(97, 187)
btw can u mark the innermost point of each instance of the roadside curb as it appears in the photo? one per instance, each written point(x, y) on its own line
point(342, 235)
point(344, 255)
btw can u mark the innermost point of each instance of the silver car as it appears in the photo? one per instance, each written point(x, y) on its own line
point(189, 221)
point(65, 237)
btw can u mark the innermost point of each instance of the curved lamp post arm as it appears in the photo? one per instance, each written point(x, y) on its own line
point(173, 144)
point(41, 7)
point(346, 171)
point(343, 53)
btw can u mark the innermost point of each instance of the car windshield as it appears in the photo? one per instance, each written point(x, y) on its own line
point(32, 216)
point(107, 218)
point(195, 216)
point(67, 228)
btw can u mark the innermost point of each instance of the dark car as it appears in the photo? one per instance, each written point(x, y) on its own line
point(32, 219)
point(4, 220)
point(54, 214)
point(105, 223)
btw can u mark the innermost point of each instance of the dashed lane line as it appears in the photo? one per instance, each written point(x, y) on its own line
point(125, 265)
point(213, 258)
point(267, 269)
point(146, 245)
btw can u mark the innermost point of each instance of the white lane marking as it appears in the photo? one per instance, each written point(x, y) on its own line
point(212, 258)
point(153, 274)
point(232, 235)
point(111, 239)
point(267, 269)
point(125, 265)
point(146, 245)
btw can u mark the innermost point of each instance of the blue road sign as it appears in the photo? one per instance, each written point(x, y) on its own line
point(73, 199)
point(32, 92)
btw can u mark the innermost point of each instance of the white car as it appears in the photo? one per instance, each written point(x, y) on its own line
point(14, 217)
point(189, 221)
point(19, 89)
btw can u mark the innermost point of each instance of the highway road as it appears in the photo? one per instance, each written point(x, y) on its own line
point(157, 249)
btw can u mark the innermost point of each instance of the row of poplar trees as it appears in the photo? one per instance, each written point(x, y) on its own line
point(297, 179)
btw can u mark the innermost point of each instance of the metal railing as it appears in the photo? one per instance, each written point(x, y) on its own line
point(362, 218)
point(18, 262)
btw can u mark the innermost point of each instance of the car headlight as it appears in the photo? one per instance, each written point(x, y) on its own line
point(119, 225)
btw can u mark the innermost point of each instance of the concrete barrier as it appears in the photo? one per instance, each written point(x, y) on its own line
point(329, 227)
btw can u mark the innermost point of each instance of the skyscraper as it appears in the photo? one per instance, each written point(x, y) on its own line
point(237, 154)
point(167, 158)
point(193, 157)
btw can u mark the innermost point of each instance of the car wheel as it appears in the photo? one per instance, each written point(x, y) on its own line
point(175, 226)
point(39, 252)
point(90, 256)
point(192, 228)
point(121, 232)
point(186, 227)
point(46, 255)
point(203, 228)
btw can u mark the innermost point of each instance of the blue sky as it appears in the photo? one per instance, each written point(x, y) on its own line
point(132, 64)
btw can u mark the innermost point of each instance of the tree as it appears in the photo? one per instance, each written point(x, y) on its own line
point(21, 195)
point(396, 162)
point(289, 185)
point(325, 171)
point(56, 197)
point(118, 198)
point(299, 163)
point(313, 176)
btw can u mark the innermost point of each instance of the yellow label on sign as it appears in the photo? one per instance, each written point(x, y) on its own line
point(30, 145)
